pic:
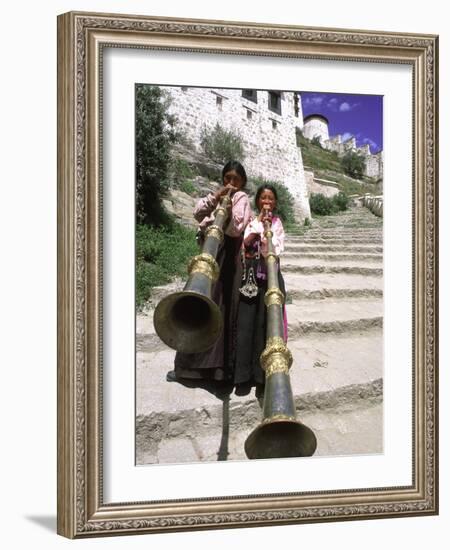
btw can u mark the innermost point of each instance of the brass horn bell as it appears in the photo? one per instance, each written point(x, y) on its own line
point(190, 321)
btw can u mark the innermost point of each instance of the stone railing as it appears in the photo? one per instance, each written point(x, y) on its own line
point(374, 203)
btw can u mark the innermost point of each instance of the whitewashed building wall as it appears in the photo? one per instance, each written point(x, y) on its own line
point(269, 138)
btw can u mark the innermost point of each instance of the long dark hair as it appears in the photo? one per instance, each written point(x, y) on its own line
point(263, 187)
point(237, 167)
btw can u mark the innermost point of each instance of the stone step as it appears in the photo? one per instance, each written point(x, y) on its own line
point(352, 219)
point(348, 221)
point(322, 363)
point(354, 427)
point(331, 310)
point(336, 314)
point(328, 372)
point(298, 325)
point(336, 241)
point(324, 247)
point(339, 241)
point(332, 269)
point(331, 282)
point(345, 228)
point(356, 223)
point(293, 258)
point(336, 293)
point(335, 236)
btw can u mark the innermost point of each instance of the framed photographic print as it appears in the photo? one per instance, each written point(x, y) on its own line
point(332, 136)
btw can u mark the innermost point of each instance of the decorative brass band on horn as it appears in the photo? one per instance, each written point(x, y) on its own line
point(206, 265)
point(274, 296)
point(277, 417)
point(276, 357)
point(216, 232)
point(221, 210)
point(278, 363)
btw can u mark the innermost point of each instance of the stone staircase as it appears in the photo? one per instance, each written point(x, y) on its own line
point(333, 276)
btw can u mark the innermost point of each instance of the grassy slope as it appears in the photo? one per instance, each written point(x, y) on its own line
point(325, 165)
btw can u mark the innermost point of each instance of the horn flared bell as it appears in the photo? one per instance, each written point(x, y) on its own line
point(281, 438)
point(188, 321)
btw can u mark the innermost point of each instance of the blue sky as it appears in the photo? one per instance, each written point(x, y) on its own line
point(349, 114)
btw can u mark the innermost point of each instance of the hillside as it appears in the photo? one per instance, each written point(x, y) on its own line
point(326, 165)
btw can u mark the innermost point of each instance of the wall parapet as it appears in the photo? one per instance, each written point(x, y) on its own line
point(374, 203)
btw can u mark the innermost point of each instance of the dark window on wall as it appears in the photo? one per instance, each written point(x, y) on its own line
point(219, 102)
point(249, 114)
point(275, 102)
point(250, 95)
point(296, 107)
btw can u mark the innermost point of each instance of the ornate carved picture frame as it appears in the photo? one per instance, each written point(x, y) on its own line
point(85, 505)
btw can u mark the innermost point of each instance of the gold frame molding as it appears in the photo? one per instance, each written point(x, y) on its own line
point(81, 510)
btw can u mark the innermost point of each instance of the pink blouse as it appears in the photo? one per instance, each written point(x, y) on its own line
point(256, 226)
point(240, 213)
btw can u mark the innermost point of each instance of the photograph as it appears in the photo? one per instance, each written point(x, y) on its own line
point(310, 164)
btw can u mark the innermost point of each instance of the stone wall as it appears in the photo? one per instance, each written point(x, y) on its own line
point(316, 185)
point(374, 165)
point(269, 137)
point(374, 203)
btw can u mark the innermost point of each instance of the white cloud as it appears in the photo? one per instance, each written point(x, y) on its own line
point(345, 106)
point(333, 104)
point(346, 136)
point(314, 100)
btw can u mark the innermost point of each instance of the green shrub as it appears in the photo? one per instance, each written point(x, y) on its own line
point(354, 164)
point(180, 170)
point(222, 145)
point(321, 205)
point(341, 201)
point(161, 254)
point(285, 203)
point(299, 137)
point(316, 141)
point(188, 187)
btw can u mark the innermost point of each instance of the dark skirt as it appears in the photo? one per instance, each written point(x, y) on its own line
point(251, 326)
point(233, 361)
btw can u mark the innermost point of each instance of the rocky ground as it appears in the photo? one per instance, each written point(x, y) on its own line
point(334, 279)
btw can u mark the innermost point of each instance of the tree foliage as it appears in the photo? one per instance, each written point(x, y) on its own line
point(316, 141)
point(285, 202)
point(154, 136)
point(354, 164)
point(321, 205)
point(222, 145)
